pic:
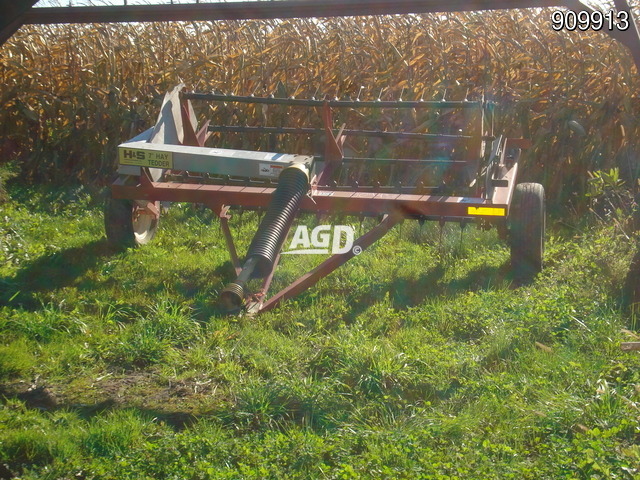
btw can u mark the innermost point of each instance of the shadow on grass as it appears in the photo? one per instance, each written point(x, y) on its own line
point(50, 272)
point(406, 293)
point(44, 399)
point(68, 267)
point(49, 198)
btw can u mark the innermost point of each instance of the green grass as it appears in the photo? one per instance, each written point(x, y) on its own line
point(418, 359)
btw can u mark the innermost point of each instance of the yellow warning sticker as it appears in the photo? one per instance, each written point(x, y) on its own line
point(487, 211)
point(145, 158)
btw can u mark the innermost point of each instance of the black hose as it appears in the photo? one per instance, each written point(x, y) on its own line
point(293, 185)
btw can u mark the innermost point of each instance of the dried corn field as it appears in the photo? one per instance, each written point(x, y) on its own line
point(72, 93)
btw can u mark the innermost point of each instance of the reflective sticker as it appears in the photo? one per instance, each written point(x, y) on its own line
point(487, 211)
point(145, 158)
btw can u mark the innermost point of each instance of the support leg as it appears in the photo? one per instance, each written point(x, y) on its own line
point(224, 225)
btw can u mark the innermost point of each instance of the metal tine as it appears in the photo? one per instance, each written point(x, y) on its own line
point(392, 175)
point(440, 243)
point(361, 171)
point(293, 95)
point(343, 176)
point(463, 226)
point(359, 92)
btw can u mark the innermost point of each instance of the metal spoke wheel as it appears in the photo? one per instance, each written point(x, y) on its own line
point(127, 224)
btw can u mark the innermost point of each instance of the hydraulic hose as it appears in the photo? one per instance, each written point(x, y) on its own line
point(293, 184)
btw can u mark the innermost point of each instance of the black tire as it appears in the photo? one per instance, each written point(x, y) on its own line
point(125, 225)
point(526, 230)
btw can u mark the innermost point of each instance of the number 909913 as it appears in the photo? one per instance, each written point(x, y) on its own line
point(571, 20)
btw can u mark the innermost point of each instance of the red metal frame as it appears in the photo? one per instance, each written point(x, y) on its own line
point(320, 201)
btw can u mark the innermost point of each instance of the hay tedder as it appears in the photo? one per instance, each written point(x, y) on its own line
point(464, 172)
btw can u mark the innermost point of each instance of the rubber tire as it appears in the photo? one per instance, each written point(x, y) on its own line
point(119, 225)
point(527, 218)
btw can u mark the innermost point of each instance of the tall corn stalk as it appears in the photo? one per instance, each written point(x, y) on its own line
point(71, 94)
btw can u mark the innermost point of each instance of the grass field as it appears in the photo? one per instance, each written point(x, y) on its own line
point(419, 359)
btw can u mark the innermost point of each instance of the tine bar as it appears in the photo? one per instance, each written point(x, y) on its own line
point(218, 97)
point(347, 133)
point(421, 161)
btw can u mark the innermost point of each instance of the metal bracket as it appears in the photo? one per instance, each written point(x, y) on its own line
point(149, 208)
